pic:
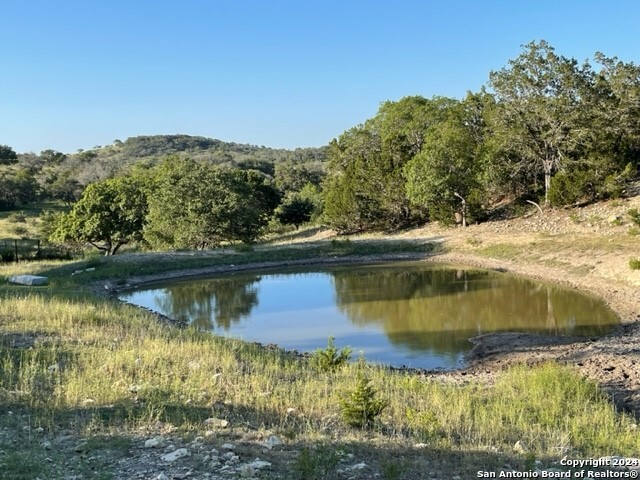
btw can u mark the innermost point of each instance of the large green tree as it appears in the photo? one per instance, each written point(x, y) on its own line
point(197, 205)
point(110, 214)
point(446, 176)
point(365, 187)
point(539, 123)
point(7, 155)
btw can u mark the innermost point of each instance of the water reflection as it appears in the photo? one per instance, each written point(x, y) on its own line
point(398, 314)
point(442, 308)
point(202, 303)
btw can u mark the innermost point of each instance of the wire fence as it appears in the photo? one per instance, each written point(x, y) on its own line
point(27, 249)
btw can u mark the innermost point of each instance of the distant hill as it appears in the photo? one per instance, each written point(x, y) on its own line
point(119, 156)
point(101, 162)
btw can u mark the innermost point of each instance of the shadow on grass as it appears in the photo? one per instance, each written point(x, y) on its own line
point(105, 442)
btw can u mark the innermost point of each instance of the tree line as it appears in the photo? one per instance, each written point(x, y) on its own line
point(547, 130)
point(179, 204)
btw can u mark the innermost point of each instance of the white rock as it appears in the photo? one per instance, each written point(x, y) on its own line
point(359, 466)
point(29, 280)
point(272, 441)
point(46, 445)
point(420, 445)
point(162, 476)
point(246, 471)
point(291, 411)
point(216, 422)
point(258, 464)
point(228, 456)
point(173, 456)
point(228, 446)
point(520, 447)
point(153, 442)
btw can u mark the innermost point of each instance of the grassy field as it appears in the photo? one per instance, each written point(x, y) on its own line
point(80, 370)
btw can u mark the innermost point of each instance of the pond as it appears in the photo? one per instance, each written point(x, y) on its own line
point(404, 314)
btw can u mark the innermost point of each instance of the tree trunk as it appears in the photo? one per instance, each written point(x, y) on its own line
point(464, 209)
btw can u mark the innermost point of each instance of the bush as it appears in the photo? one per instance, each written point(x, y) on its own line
point(317, 464)
point(635, 216)
point(567, 188)
point(634, 264)
point(360, 407)
point(330, 359)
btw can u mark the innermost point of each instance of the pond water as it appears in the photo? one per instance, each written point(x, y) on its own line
point(406, 314)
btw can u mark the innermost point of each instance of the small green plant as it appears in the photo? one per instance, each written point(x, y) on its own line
point(634, 231)
point(330, 359)
point(424, 424)
point(575, 218)
point(317, 464)
point(360, 407)
point(634, 264)
point(595, 219)
point(635, 216)
point(393, 469)
point(474, 242)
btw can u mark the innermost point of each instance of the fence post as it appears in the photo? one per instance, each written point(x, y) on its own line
point(38, 252)
point(15, 244)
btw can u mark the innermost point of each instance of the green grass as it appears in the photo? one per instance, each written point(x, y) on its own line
point(634, 264)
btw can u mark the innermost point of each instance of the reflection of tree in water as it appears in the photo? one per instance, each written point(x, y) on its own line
point(440, 309)
point(223, 300)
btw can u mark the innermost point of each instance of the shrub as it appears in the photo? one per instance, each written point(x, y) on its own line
point(569, 187)
point(360, 407)
point(635, 216)
point(330, 358)
point(317, 464)
point(634, 264)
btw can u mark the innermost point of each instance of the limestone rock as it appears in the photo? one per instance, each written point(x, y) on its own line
point(153, 442)
point(216, 422)
point(175, 455)
point(272, 441)
point(29, 280)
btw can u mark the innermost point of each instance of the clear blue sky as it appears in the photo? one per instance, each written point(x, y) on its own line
point(74, 74)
